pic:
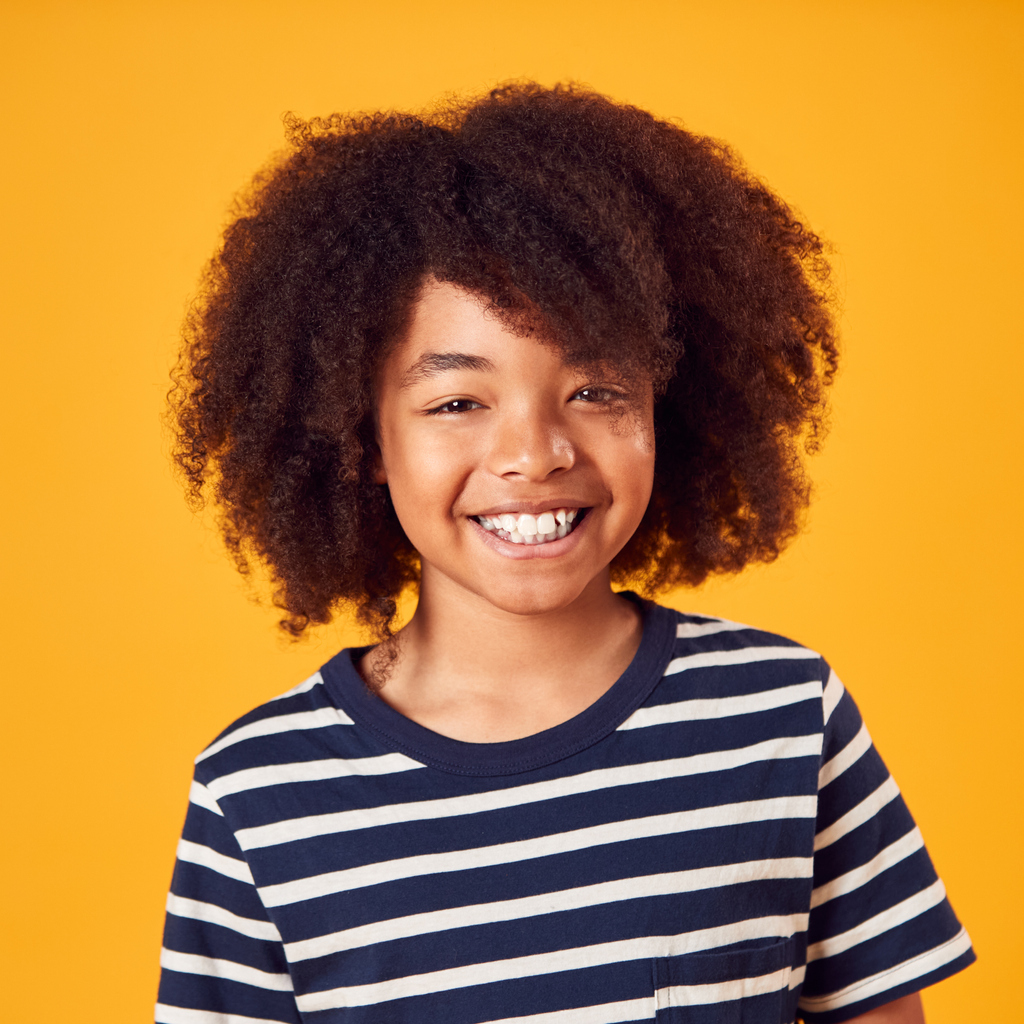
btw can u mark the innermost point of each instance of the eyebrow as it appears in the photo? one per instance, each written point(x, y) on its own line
point(433, 364)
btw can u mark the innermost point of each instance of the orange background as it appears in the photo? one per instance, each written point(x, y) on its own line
point(893, 126)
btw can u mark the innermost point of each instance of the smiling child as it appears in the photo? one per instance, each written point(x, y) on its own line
point(511, 353)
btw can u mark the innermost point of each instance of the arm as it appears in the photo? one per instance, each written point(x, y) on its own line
point(907, 1010)
point(880, 924)
point(222, 957)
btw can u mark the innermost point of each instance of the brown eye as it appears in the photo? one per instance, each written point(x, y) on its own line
point(595, 395)
point(456, 405)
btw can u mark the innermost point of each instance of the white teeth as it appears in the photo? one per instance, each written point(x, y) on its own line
point(528, 525)
point(528, 529)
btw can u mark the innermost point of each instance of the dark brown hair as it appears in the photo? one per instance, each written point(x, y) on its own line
point(638, 243)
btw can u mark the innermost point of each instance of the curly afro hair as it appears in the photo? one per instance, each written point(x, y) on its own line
point(639, 244)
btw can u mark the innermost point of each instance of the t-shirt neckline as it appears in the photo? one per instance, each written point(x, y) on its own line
point(348, 690)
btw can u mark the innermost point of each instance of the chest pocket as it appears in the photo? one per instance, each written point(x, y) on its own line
point(748, 986)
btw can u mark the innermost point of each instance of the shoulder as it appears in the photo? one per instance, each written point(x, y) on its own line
point(705, 640)
point(301, 724)
point(728, 667)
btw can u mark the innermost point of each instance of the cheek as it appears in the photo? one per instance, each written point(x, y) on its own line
point(640, 471)
point(636, 461)
point(425, 476)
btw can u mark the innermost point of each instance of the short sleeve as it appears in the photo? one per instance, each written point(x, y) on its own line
point(880, 924)
point(222, 960)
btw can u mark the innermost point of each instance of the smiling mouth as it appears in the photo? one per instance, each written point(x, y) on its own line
point(528, 529)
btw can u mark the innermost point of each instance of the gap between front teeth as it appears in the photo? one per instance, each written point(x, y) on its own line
point(527, 529)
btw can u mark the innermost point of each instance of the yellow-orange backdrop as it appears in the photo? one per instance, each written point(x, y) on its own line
point(894, 126)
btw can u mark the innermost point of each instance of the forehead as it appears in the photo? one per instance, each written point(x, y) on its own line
point(442, 311)
point(448, 327)
point(451, 328)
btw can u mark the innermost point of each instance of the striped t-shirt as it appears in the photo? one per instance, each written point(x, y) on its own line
point(715, 839)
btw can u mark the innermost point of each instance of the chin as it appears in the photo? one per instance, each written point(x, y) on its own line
point(535, 598)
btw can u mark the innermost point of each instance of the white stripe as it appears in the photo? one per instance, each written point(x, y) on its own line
point(917, 966)
point(310, 771)
point(899, 913)
point(292, 829)
point(180, 1015)
point(692, 630)
point(606, 1013)
point(307, 684)
point(832, 696)
point(611, 1013)
point(318, 719)
point(716, 816)
point(723, 991)
point(552, 962)
point(849, 755)
point(196, 910)
point(744, 656)
point(194, 853)
point(642, 887)
point(199, 795)
point(722, 707)
point(190, 963)
point(853, 880)
point(856, 816)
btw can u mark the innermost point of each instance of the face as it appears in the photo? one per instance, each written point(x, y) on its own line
point(516, 477)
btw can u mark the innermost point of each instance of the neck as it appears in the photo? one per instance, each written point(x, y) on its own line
point(473, 671)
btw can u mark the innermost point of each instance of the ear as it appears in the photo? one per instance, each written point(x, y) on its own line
point(380, 474)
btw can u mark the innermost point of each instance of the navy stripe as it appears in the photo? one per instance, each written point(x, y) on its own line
point(197, 992)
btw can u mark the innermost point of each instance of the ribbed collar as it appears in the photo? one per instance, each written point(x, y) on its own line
point(630, 690)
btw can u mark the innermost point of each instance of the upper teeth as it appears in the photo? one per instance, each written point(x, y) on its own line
point(528, 529)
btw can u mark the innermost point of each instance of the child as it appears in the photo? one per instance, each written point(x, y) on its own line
point(511, 353)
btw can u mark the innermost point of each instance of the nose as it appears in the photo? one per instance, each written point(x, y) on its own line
point(530, 447)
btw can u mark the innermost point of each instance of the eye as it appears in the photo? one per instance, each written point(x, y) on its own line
point(596, 394)
point(456, 405)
